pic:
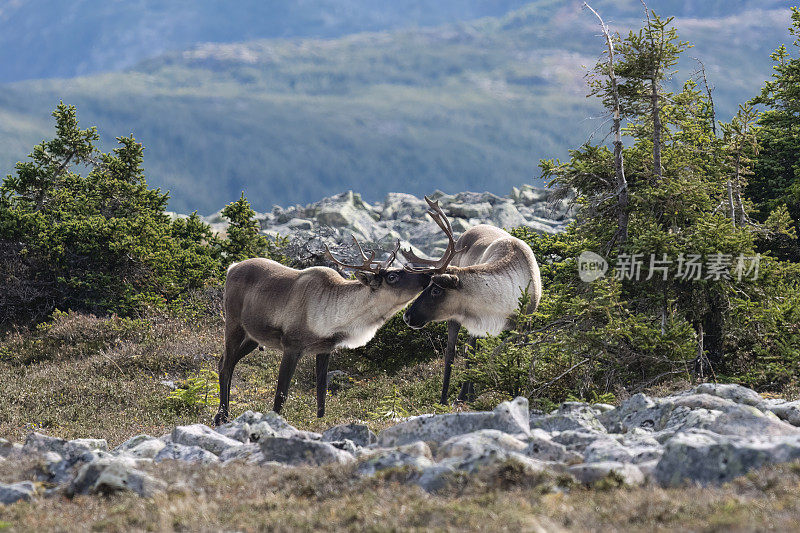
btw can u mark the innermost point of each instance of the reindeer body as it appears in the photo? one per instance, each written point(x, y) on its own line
point(310, 311)
point(479, 287)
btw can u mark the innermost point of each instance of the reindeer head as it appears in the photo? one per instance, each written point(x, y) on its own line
point(402, 284)
point(434, 304)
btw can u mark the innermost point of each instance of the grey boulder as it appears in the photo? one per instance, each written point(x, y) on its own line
point(508, 417)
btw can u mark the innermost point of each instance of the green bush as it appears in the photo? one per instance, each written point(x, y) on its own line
point(395, 345)
point(80, 229)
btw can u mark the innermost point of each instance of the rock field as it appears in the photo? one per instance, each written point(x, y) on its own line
point(709, 434)
point(402, 216)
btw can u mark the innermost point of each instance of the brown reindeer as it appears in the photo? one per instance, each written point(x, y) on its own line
point(310, 311)
point(477, 284)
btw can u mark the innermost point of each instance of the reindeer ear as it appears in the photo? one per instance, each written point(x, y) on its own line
point(368, 278)
point(448, 281)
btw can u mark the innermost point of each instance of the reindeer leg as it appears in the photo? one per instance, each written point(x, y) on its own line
point(288, 364)
point(237, 345)
point(467, 393)
point(322, 382)
point(449, 355)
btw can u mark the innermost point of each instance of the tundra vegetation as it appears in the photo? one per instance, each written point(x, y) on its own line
point(111, 315)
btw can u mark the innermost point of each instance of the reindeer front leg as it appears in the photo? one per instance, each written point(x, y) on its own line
point(288, 365)
point(322, 382)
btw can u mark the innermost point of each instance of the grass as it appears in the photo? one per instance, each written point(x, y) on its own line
point(246, 498)
point(74, 376)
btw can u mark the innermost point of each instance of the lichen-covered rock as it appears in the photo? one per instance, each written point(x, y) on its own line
point(479, 442)
point(593, 472)
point(39, 443)
point(9, 448)
point(15, 492)
point(705, 457)
point(638, 411)
point(730, 391)
point(786, 411)
point(416, 455)
point(143, 446)
point(110, 475)
point(232, 430)
point(188, 454)
point(437, 476)
point(359, 434)
point(245, 452)
point(569, 416)
point(204, 437)
point(294, 451)
point(509, 417)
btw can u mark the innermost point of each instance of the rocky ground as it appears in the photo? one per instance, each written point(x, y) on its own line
point(402, 216)
point(706, 435)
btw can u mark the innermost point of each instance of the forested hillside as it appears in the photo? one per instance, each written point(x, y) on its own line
point(53, 39)
point(469, 106)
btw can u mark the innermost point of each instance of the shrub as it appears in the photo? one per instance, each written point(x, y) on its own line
point(395, 345)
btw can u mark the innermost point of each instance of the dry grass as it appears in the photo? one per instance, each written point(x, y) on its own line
point(84, 376)
point(92, 377)
point(246, 498)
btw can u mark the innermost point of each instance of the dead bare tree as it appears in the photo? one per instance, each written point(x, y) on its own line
point(619, 168)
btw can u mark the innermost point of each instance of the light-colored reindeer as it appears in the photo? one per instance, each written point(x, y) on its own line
point(477, 284)
point(310, 311)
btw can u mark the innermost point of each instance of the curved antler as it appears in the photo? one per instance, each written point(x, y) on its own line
point(438, 265)
point(369, 264)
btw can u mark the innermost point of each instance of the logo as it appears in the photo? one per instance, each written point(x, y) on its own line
point(591, 266)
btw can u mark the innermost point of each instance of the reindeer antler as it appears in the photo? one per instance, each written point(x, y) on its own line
point(369, 264)
point(439, 265)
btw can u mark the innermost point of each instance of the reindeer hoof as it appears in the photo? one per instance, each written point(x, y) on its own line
point(320, 412)
point(220, 418)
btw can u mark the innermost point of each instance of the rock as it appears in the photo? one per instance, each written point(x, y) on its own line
point(479, 442)
point(730, 391)
point(748, 421)
point(106, 476)
point(295, 451)
point(187, 454)
point(607, 450)
point(272, 425)
point(232, 430)
point(592, 472)
point(78, 446)
point(569, 416)
point(638, 411)
point(705, 457)
point(359, 434)
point(436, 477)
point(577, 440)
point(8, 448)
point(416, 455)
point(148, 449)
point(22, 491)
point(204, 437)
point(788, 411)
point(509, 417)
point(243, 452)
point(506, 216)
point(39, 443)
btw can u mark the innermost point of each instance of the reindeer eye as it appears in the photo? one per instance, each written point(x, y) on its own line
point(435, 291)
point(392, 277)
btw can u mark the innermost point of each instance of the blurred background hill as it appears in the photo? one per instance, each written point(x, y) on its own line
point(293, 101)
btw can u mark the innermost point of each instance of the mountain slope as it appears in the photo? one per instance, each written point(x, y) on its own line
point(56, 39)
point(460, 107)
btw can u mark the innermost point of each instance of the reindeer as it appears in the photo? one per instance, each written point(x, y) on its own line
point(310, 311)
point(480, 291)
